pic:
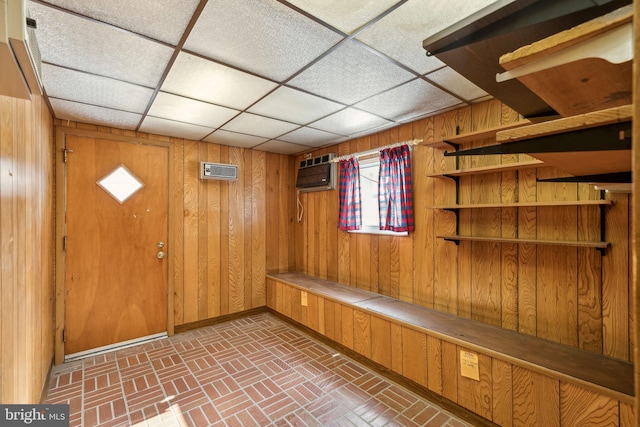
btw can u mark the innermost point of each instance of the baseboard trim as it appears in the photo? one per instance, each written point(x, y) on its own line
point(185, 327)
point(45, 387)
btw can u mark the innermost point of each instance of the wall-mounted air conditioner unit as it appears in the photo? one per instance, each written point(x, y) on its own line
point(317, 173)
point(20, 60)
point(218, 171)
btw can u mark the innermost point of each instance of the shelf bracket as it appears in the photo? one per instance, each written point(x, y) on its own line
point(455, 241)
point(456, 212)
point(603, 221)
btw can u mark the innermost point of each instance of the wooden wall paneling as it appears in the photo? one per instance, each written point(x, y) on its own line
point(247, 260)
point(557, 265)
point(405, 244)
point(627, 415)
point(589, 275)
point(291, 304)
point(284, 218)
point(312, 235)
point(353, 239)
point(450, 371)
point(384, 243)
point(502, 392)
point(414, 355)
point(258, 228)
point(273, 217)
point(236, 234)
point(313, 311)
point(381, 348)
point(290, 189)
point(321, 230)
point(330, 320)
point(446, 287)
point(337, 316)
point(527, 254)
point(615, 285)
point(212, 236)
point(203, 238)
point(347, 326)
point(344, 263)
point(434, 364)
point(191, 184)
point(177, 252)
point(332, 232)
point(464, 302)
point(397, 353)
point(21, 187)
point(424, 236)
point(362, 333)
point(477, 396)
point(299, 227)
point(271, 293)
point(224, 238)
point(374, 240)
point(581, 407)
point(536, 399)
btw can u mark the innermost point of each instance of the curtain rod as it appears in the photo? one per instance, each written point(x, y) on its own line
point(410, 143)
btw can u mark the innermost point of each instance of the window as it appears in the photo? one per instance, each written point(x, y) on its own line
point(369, 172)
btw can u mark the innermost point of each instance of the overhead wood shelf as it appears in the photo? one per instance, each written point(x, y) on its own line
point(575, 243)
point(488, 133)
point(504, 167)
point(526, 204)
point(580, 70)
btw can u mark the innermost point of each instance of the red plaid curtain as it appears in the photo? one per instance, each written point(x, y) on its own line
point(349, 217)
point(394, 189)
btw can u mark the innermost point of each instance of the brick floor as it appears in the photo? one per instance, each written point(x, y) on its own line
point(256, 371)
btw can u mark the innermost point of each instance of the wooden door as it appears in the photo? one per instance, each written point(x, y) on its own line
point(115, 283)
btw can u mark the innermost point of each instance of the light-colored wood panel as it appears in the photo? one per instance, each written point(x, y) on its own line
point(247, 298)
point(213, 236)
point(580, 407)
point(527, 254)
point(191, 184)
point(381, 341)
point(434, 364)
point(312, 235)
point(271, 287)
point(362, 333)
point(414, 355)
point(224, 239)
point(321, 229)
point(536, 399)
point(284, 215)
point(330, 320)
point(450, 371)
point(477, 396)
point(236, 235)
point(396, 348)
point(347, 326)
point(272, 213)
point(203, 246)
point(502, 392)
point(178, 225)
point(313, 312)
point(627, 415)
point(258, 228)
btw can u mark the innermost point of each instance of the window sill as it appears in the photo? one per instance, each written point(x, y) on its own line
point(374, 230)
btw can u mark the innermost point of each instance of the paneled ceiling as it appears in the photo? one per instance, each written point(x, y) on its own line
point(279, 76)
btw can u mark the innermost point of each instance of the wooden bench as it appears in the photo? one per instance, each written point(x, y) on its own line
point(510, 363)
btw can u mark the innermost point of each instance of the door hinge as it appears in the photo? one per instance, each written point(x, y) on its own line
point(64, 243)
point(64, 335)
point(65, 154)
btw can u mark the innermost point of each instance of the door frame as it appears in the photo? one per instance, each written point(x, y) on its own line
point(61, 133)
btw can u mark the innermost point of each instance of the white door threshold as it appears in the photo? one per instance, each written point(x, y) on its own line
point(113, 347)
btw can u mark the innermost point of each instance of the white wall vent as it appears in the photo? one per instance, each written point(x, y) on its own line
point(19, 53)
point(317, 173)
point(218, 171)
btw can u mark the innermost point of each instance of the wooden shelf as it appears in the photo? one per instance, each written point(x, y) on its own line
point(583, 69)
point(463, 138)
point(527, 204)
point(583, 244)
point(504, 167)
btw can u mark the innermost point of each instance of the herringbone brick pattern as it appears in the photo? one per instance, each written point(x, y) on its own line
point(255, 371)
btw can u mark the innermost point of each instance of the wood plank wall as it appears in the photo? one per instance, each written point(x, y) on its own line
point(229, 235)
point(570, 295)
point(26, 238)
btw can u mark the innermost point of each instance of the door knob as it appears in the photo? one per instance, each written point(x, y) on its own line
point(161, 255)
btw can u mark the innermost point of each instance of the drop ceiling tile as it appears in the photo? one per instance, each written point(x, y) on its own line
point(173, 128)
point(281, 147)
point(82, 44)
point(187, 110)
point(94, 90)
point(208, 81)
point(454, 82)
point(147, 17)
point(409, 100)
point(347, 16)
point(234, 139)
point(350, 74)
point(261, 36)
point(399, 35)
point(349, 121)
point(295, 106)
point(68, 110)
point(252, 124)
point(311, 137)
